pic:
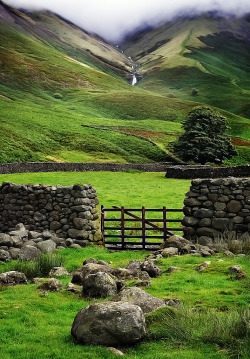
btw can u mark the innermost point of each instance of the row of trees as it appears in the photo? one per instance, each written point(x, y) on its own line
point(204, 139)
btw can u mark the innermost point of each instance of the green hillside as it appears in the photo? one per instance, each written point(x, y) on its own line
point(65, 95)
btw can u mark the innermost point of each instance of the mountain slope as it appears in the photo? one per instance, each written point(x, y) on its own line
point(206, 56)
point(65, 95)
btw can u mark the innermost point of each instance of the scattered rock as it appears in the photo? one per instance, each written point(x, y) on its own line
point(203, 266)
point(58, 272)
point(13, 278)
point(109, 324)
point(89, 268)
point(238, 271)
point(4, 256)
point(100, 285)
point(28, 253)
point(173, 302)
point(151, 268)
point(116, 351)
point(169, 252)
point(51, 285)
point(46, 246)
point(137, 296)
point(73, 288)
point(172, 269)
point(228, 254)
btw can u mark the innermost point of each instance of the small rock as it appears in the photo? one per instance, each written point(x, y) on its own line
point(173, 302)
point(58, 272)
point(13, 278)
point(4, 256)
point(99, 285)
point(238, 271)
point(203, 266)
point(172, 269)
point(169, 252)
point(151, 268)
point(51, 285)
point(228, 254)
point(73, 288)
point(116, 351)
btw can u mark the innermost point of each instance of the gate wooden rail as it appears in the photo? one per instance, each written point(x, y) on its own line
point(123, 229)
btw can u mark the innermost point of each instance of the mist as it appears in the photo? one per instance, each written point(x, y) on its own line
point(113, 19)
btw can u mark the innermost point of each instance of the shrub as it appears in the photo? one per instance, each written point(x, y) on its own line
point(41, 266)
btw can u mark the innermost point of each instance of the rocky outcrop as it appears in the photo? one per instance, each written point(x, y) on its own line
point(109, 324)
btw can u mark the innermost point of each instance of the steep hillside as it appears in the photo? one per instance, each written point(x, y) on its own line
point(206, 57)
point(66, 95)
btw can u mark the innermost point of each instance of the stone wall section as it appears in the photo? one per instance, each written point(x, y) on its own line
point(214, 206)
point(69, 212)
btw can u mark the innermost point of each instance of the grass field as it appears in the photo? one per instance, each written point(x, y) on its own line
point(211, 323)
point(129, 189)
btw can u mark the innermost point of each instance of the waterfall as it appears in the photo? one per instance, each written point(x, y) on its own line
point(134, 80)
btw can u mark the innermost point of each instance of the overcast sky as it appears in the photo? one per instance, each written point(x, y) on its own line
point(112, 19)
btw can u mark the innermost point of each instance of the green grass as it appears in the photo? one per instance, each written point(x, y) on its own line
point(38, 325)
point(135, 189)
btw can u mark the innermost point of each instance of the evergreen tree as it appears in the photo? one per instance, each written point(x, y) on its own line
point(204, 139)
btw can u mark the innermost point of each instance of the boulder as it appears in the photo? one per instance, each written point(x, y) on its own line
point(28, 253)
point(176, 241)
point(151, 268)
point(147, 302)
point(89, 268)
point(169, 252)
point(51, 285)
point(109, 324)
point(73, 288)
point(13, 278)
point(100, 285)
point(5, 240)
point(46, 246)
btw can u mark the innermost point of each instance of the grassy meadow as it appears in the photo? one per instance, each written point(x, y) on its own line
point(211, 323)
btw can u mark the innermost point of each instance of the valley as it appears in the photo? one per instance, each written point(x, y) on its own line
point(66, 94)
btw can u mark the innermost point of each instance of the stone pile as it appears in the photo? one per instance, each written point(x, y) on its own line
point(28, 245)
point(68, 212)
point(214, 206)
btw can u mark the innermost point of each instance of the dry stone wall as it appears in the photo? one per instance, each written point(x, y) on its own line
point(214, 206)
point(69, 212)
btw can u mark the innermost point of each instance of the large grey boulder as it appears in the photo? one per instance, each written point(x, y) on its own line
point(100, 285)
point(147, 302)
point(13, 278)
point(109, 324)
point(46, 246)
point(28, 253)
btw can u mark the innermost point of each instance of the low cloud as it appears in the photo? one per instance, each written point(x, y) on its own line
point(113, 19)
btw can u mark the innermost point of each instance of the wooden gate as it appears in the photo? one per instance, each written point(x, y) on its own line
point(125, 228)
